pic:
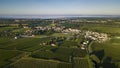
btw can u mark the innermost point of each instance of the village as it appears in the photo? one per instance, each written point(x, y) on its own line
point(59, 39)
point(88, 35)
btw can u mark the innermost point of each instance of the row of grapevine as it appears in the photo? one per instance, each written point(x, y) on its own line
point(80, 62)
point(57, 53)
point(40, 63)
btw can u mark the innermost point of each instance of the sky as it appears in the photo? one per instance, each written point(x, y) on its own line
point(59, 7)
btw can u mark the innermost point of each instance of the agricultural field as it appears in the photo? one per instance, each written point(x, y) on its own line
point(59, 53)
point(21, 44)
point(7, 28)
point(20, 30)
point(60, 35)
point(80, 62)
point(44, 47)
point(104, 29)
point(6, 56)
point(39, 63)
point(33, 47)
point(108, 51)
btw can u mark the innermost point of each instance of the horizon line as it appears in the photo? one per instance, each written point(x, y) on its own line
point(59, 14)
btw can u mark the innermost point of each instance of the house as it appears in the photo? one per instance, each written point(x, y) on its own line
point(83, 48)
point(15, 37)
point(53, 45)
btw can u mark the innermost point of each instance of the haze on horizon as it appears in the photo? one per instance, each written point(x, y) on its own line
point(59, 7)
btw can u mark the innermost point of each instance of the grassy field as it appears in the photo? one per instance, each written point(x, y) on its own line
point(108, 52)
point(21, 44)
point(39, 63)
point(59, 56)
point(80, 63)
point(40, 36)
point(7, 28)
point(20, 30)
point(10, 48)
point(6, 56)
point(13, 47)
point(104, 29)
point(111, 48)
point(60, 35)
point(118, 65)
point(57, 53)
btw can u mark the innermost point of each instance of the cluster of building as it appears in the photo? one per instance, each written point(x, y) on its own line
point(70, 30)
point(100, 37)
point(59, 29)
point(90, 35)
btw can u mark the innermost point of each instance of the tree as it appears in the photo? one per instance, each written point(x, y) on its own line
point(108, 64)
point(20, 25)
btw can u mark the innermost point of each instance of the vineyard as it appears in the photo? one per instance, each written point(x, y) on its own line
point(36, 55)
point(62, 54)
point(80, 63)
point(60, 43)
point(6, 55)
point(37, 52)
point(40, 63)
point(21, 44)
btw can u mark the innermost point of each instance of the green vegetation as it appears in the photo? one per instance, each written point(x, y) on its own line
point(111, 48)
point(48, 46)
point(22, 43)
point(40, 63)
point(60, 35)
point(62, 54)
point(6, 56)
point(7, 28)
point(20, 30)
point(80, 62)
point(35, 63)
point(107, 52)
point(104, 29)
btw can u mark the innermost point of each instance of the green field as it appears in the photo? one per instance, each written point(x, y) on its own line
point(7, 28)
point(20, 44)
point(62, 54)
point(6, 56)
point(52, 49)
point(80, 63)
point(14, 29)
point(20, 30)
point(33, 47)
point(111, 48)
point(104, 29)
point(108, 50)
point(39, 63)
point(60, 35)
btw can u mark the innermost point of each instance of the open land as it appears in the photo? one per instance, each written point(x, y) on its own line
point(60, 43)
